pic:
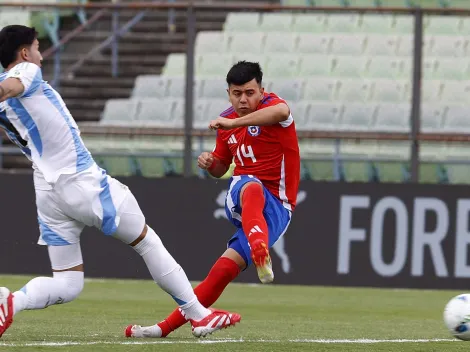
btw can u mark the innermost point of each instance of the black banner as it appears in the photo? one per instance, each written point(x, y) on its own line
point(383, 235)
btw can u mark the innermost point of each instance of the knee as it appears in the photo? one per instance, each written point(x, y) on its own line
point(72, 284)
point(252, 189)
point(131, 223)
point(148, 242)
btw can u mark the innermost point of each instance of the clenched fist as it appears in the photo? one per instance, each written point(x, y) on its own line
point(205, 160)
point(222, 123)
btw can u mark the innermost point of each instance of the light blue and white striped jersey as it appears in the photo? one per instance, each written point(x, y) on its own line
point(41, 125)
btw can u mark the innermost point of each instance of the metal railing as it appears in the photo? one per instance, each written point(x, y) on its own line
point(112, 40)
point(191, 8)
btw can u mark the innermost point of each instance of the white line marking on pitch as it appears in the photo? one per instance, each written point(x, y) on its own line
point(189, 342)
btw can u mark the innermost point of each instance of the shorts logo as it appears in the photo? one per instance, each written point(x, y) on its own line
point(254, 131)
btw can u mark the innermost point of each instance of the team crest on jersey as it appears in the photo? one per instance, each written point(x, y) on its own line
point(254, 130)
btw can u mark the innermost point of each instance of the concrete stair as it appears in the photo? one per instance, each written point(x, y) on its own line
point(141, 51)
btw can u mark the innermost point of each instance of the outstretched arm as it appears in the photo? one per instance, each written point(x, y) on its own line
point(21, 81)
point(10, 88)
point(263, 117)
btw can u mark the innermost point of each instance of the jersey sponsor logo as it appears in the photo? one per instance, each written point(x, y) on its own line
point(254, 130)
point(232, 140)
point(16, 74)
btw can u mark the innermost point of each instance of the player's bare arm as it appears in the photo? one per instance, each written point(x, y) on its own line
point(263, 117)
point(207, 161)
point(10, 88)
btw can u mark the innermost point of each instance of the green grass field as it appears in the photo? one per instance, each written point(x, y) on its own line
point(274, 318)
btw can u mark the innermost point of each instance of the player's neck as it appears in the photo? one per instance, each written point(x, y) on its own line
point(13, 64)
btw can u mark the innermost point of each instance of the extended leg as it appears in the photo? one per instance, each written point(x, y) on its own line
point(166, 272)
point(224, 271)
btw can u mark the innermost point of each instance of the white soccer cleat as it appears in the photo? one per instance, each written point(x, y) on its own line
point(217, 320)
point(6, 309)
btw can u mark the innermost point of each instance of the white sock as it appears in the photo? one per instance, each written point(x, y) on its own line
point(20, 301)
point(167, 273)
point(148, 331)
point(41, 292)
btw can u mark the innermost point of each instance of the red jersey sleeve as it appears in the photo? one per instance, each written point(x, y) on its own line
point(270, 99)
point(222, 151)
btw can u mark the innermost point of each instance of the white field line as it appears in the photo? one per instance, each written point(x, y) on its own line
point(193, 342)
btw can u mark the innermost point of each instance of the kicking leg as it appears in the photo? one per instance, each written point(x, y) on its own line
point(224, 271)
point(166, 272)
point(256, 229)
point(237, 256)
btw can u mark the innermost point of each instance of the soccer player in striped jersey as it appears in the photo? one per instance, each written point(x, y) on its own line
point(258, 133)
point(72, 192)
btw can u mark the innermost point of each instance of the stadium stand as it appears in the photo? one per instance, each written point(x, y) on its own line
point(342, 73)
point(354, 69)
point(141, 51)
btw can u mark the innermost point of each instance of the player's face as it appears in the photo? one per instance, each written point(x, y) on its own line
point(32, 53)
point(245, 98)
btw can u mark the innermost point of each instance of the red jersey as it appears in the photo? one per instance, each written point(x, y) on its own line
point(270, 153)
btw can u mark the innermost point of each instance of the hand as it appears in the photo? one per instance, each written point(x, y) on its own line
point(222, 123)
point(205, 160)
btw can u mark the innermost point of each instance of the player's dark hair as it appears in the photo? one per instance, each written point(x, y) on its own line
point(243, 72)
point(12, 39)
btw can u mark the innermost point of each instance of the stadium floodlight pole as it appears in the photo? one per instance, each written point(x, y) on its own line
point(57, 69)
point(171, 19)
point(415, 121)
point(189, 97)
point(115, 44)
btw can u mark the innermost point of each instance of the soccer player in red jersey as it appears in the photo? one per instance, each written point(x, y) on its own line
point(258, 133)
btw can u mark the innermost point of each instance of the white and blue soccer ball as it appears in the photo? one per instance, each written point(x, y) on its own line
point(457, 316)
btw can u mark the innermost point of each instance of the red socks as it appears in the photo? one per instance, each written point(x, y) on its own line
point(253, 222)
point(208, 291)
point(225, 270)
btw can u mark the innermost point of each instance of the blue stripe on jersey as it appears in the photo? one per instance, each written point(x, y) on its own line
point(227, 112)
point(27, 122)
point(4, 122)
point(108, 225)
point(267, 100)
point(37, 80)
point(84, 159)
point(49, 236)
